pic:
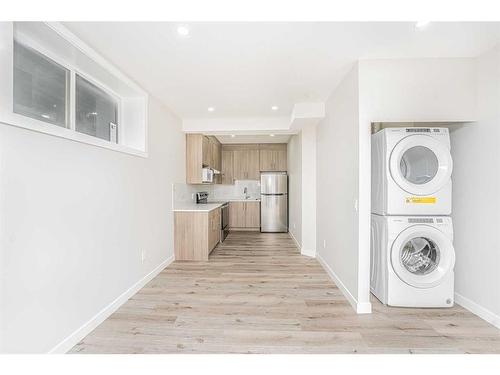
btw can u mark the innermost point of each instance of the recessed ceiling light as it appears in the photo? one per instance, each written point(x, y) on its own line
point(422, 24)
point(183, 30)
point(211, 109)
point(271, 135)
point(233, 135)
point(274, 107)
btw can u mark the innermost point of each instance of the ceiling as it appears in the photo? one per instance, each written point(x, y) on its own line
point(243, 69)
point(256, 138)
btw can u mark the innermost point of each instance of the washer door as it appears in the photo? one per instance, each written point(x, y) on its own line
point(421, 256)
point(420, 164)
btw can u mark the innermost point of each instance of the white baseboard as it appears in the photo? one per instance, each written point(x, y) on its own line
point(478, 310)
point(101, 316)
point(308, 253)
point(359, 307)
point(299, 246)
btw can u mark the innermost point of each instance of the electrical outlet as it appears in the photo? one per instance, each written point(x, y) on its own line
point(143, 255)
point(324, 244)
point(356, 205)
point(293, 225)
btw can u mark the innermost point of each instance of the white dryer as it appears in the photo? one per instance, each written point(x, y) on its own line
point(411, 171)
point(412, 260)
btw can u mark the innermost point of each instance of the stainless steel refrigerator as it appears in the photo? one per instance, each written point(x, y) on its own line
point(273, 202)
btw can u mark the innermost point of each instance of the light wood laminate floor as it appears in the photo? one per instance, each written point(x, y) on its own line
point(257, 294)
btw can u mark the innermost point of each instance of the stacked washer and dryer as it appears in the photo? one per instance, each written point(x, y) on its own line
point(412, 255)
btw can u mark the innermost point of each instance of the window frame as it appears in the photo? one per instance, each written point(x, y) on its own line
point(117, 98)
point(67, 84)
point(70, 131)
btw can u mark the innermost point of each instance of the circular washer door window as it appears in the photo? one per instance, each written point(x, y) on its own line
point(421, 256)
point(420, 164)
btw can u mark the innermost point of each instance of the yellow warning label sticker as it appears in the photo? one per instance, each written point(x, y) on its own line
point(421, 200)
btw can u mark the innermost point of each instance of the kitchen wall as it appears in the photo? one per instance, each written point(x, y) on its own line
point(294, 151)
point(183, 192)
point(75, 222)
point(337, 187)
point(476, 202)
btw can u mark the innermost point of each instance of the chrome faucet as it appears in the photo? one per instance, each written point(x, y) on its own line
point(245, 192)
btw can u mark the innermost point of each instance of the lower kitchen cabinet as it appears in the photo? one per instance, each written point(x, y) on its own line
point(244, 215)
point(196, 234)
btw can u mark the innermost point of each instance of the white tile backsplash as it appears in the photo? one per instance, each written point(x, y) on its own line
point(184, 192)
point(236, 190)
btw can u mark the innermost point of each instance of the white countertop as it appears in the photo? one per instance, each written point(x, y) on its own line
point(235, 199)
point(207, 207)
point(193, 207)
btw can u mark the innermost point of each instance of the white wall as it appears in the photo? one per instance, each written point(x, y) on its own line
point(476, 199)
point(73, 221)
point(308, 148)
point(400, 90)
point(294, 151)
point(418, 90)
point(337, 186)
point(414, 90)
point(236, 124)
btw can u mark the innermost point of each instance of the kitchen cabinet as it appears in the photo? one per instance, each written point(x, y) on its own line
point(207, 152)
point(246, 161)
point(214, 228)
point(227, 167)
point(215, 155)
point(244, 215)
point(201, 152)
point(252, 214)
point(196, 234)
point(253, 171)
point(273, 157)
point(246, 164)
point(236, 214)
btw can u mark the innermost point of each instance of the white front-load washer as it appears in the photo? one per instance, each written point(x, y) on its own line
point(411, 171)
point(412, 260)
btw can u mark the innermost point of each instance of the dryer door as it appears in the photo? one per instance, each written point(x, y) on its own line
point(422, 256)
point(420, 164)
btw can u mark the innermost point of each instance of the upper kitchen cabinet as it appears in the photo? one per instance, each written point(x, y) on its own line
point(201, 152)
point(227, 167)
point(240, 162)
point(215, 147)
point(207, 151)
point(273, 157)
point(246, 163)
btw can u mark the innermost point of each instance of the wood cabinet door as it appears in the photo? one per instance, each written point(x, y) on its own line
point(206, 151)
point(227, 168)
point(253, 165)
point(273, 158)
point(214, 228)
point(252, 214)
point(281, 160)
point(217, 157)
point(237, 214)
point(266, 160)
point(194, 158)
point(240, 164)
